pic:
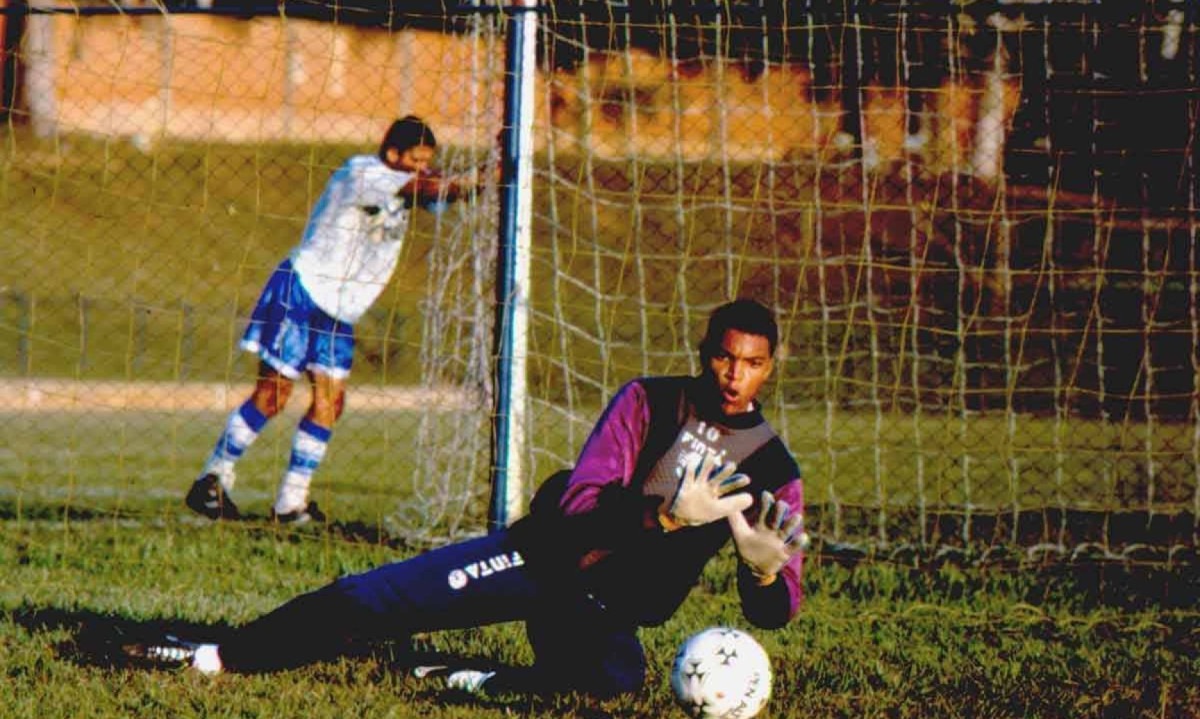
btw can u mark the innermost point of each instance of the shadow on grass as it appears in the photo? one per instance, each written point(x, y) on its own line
point(12, 511)
point(351, 531)
point(96, 639)
point(99, 639)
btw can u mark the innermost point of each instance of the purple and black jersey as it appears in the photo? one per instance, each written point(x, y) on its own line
point(604, 521)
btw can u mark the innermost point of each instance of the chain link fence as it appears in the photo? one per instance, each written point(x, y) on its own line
point(977, 224)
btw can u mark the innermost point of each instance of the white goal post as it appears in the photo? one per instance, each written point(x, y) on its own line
point(512, 287)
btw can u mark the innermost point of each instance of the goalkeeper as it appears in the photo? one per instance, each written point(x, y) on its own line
point(303, 324)
point(674, 468)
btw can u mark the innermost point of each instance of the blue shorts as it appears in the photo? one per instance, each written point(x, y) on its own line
point(290, 333)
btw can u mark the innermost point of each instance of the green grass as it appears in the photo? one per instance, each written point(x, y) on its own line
point(119, 264)
point(875, 641)
point(95, 545)
point(136, 464)
point(429, 471)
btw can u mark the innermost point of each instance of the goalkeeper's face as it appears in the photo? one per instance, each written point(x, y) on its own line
point(740, 365)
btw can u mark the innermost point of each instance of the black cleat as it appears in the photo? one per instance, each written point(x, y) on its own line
point(311, 513)
point(207, 497)
point(171, 652)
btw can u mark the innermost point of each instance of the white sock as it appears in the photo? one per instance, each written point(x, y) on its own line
point(308, 449)
point(293, 493)
point(241, 429)
point(223, 468)
point(207, 660)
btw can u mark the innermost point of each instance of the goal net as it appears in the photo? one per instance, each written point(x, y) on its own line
point(978, 228)
point(976, 224)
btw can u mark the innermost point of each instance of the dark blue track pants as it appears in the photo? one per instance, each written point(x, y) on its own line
point(576, 645)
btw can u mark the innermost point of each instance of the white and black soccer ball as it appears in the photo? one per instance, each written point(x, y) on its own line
point(721, 672)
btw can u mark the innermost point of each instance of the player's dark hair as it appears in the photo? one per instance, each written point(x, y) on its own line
point(408, 131)
point(743, 315)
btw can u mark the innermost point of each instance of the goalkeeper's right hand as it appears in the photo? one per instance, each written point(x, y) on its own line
point(705, 494)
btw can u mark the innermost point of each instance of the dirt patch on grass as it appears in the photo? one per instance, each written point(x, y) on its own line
point(65, 395)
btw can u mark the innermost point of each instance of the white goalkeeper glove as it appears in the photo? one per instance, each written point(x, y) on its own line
point(703, 494)
point(772, 540)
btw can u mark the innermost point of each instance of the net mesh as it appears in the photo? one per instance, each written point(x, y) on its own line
point(977, 226)
point(982, 255)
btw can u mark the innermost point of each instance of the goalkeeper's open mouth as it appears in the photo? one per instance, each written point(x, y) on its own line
point(731, 401)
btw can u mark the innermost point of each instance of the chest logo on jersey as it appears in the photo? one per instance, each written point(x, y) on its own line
point(459, 578)
point(696, 445)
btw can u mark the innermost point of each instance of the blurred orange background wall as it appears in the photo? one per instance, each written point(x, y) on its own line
point(270, 79)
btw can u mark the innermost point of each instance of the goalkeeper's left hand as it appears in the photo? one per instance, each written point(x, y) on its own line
point(772, 540)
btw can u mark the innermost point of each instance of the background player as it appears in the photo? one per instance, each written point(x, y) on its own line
point(303, 324)
point(615, 544)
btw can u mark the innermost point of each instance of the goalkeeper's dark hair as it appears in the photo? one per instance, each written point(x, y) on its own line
point(408, 131)
point(743, 315)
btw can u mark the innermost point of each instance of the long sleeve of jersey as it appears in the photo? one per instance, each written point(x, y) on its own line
point(774, 605)
point(610, 454)
point(599, 504)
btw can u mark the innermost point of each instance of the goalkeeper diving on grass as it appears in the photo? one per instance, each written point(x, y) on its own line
point(303, 323)
point(675, 467)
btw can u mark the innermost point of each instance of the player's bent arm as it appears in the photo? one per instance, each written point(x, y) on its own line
point(429, 187)
point(610, 454)
point(770, 602)
point(591, 506)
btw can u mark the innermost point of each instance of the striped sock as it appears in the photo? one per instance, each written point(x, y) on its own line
point(308, 449)
point(241, 429)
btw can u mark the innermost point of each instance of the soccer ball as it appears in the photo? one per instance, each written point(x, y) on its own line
point(721, 672)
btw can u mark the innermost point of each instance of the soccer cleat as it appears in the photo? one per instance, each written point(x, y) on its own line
point(208, 497)
point(470, 681)
point(311, 513)
point(170, 652)
point(429, 670)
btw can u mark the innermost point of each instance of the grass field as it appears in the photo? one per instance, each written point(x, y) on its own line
point(95, 547)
